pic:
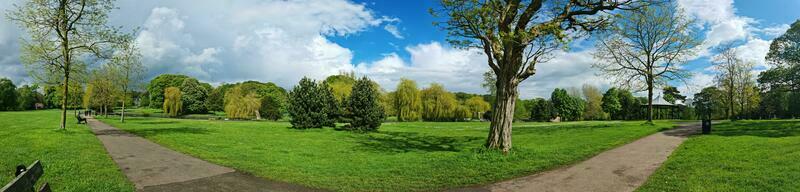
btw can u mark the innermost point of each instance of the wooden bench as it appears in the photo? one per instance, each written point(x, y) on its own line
point(26, 179)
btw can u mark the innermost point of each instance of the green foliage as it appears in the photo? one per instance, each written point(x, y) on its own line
point(365, 111)
point(172, 101)
point(671, 94)
point(193, 96)
point(277, 94)
point(161, 82)
point(707, 102)
point(630, 105)
point(522, 109)
point(8, 95)
point(28, 96)
point(785, 50)
point(594, 102)
point(306, 106)
point(216, 98)
point(565, 106)
point(408, 101)
point(611, 103)
point(331, 107)
point(341, 85)
point(541, 110)
point(239, 104)
point(477, 106)
point(438, 104)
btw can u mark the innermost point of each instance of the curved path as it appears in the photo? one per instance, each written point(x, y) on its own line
point(623, 168)
point(152, 167)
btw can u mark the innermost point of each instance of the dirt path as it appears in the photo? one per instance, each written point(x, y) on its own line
point(152, 167)
point(621, 169)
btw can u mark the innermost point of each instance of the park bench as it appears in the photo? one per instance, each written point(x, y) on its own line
point(26, 179)
point(80, 119)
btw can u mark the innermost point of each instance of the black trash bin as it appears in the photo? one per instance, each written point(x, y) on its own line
point(706, 126)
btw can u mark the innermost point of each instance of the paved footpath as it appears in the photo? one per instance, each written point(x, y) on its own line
point(621, 169)
point(153, 168)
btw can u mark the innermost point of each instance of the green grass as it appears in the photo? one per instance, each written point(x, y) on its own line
point(416, 156)
point(73, 160)
point(737, 156)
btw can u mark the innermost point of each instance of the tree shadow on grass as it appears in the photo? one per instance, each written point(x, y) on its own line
point(157, 122)
point(758, 128)
point(402, 142)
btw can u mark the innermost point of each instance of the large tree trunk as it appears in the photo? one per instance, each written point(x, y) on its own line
point(649, 100)
point(122, 113)
point(502, 116)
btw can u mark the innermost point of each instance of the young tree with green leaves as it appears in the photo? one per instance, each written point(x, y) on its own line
point(594, 102)
point(438, 104)
point(173, 104)
point(194, 96)
point(477, 106)
point(515, 36)
point(611, 103)
point(239, 104)
point(60, 32)
point(8, 95)
point(408, 101)
point(567, 107)
point(127, 63)
point(366, 113)
point(646, 48)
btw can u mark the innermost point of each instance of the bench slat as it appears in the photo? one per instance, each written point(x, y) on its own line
point(26, 180)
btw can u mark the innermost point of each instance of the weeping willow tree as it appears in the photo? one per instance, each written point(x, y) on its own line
point(477, 106)
point(172, 101)
point(438, 104)
point(407, 101)
point(241, 105)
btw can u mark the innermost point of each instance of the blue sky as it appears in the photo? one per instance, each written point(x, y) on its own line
point(282, 41)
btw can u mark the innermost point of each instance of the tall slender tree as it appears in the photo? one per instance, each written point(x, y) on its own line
point(515, 36)
point(127, 63)
point(61, 31)
point(646, 48)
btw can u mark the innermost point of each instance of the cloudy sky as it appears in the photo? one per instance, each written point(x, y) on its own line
point(282, 41)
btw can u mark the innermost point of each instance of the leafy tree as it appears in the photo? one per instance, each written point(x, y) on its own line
point(785, 50)
point(646, 48)
point(102, 94)
point(611, 103)
point(733, 76)
point(157, 86)
point(173, 104)
point(28, 96)
point(522, 109)
point(264, 90)
point(216, 98)
point(341, 85)
point(630, 105)
point(542, 110)
point(477, 106)
point(565, 106)
point(594, 102)
point(366, 113)
point(438, 104)
point(193, 96)
point(408, 101)
point(515, 36)
point(239, 104)
point(60, 32)
point(671, 94)
point(306, 106)
point(707, 103)
point(129, 69)
point(8, 95)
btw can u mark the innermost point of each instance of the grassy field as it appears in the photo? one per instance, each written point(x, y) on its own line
point(738, 156)
point(416, 156)
point(73, 160)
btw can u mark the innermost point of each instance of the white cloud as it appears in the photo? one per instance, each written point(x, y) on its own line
point(774, 31)
point(755, 50)
point(392, 29)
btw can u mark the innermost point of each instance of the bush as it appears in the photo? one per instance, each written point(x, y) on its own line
point(366, 113)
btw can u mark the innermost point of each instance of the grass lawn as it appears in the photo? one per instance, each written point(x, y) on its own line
point(738, 156)
point(415, 156)
point(73, 160)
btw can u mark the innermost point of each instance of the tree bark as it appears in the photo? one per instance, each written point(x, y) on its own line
point(502, 116)
point(66, 66)
point(64, 100)
point(649, 100)
point(122, 113)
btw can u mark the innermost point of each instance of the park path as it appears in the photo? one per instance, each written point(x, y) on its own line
point(620, 169)
point(153, 168)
